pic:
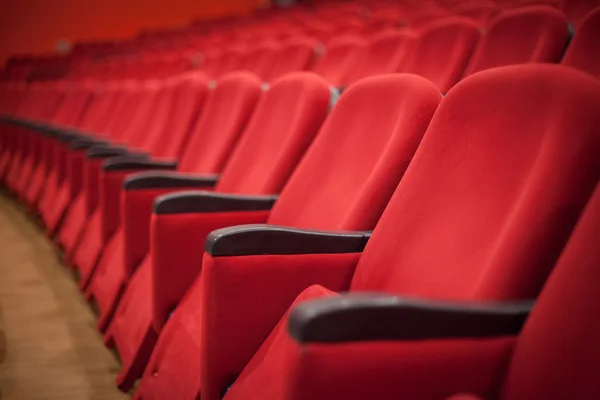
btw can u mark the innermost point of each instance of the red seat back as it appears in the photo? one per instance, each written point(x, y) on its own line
point(132, 126)
point(284, 124)
point(186, 105)
point(386, 53)
point(583, 49)
point(351, 170)
point(556, 355)
point(76, 99)
point(338, 64)
point(295, 55)
point(533, 34)
point(494, 189)
point(442, 51)
point(216, 131)
point(261, 60)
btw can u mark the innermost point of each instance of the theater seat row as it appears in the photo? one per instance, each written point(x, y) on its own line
point(482, 201)
point(263, 267)
point(427, 63)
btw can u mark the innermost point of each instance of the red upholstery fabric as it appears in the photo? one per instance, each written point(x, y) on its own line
point(442, 51)
point(284, 124)
point(67, 187)
point(215, 134)
point(419, 370)
point(178, 108)
point(338, 64)
point(513, 188)
point(578, 10)
point(581, 53)
point(76, 103)
point(261, 60)
point(358, 173)
point(231, 60)
point(356, 177)
point(176, 250)
point(497, 177)
point(386, 53)
point(534, 34)
point(217, 130)
point(296, 54)
point(556, 356)
point(465, 397)
point(189, 96)
point(122, 125)
point(264, 158)
point(480, 14)
point(50, 107)
point(172, 363)
point(43, 101)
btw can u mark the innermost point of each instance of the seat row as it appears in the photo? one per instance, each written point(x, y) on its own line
point(264, 45)
point(214, 223)
point(443, 51)
point(484, 188)
point(156, 118)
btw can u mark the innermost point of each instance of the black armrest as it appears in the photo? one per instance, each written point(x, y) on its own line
point(34, 125)
point(149, 180)
point(190, 202)
point(127, 162)
point(81, 144)
point(105, 151)
point(369, 317)
point(67, 135)
point(6, 118)
point(271, 239)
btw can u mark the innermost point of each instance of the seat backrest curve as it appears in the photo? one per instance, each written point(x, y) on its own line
point(533, 34)
point(493, 191)
point(442, 51)
point(223, 119)
point(556, 356)
point(282, 127)
point(360, 154)
point(583, 50)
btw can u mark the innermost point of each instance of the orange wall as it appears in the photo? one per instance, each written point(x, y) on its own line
point(34, 26)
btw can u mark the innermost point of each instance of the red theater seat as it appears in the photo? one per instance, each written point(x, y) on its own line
point(442, 51)
point(577, 10)
point(76, 101)
point(386, 53)
point(281, 129)
point(163, 138)
point(338, 64)
point(296, 54)
point(533, 34)
point(228, 108)
point(40, 104)
point(412, 348)
point(125, 128)
point(479, 13)
point(230, 60)
point(582, 52)
point(343, 183)
point(16, 96)
point(261, 59)
point(66, 149)
point(482, 214)
point(50, 101)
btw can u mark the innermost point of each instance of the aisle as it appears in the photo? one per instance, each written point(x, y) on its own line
point(49, 347)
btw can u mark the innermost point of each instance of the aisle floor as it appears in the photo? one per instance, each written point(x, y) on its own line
point(49, 346)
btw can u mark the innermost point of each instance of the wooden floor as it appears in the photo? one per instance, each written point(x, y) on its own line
point(49, 346)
